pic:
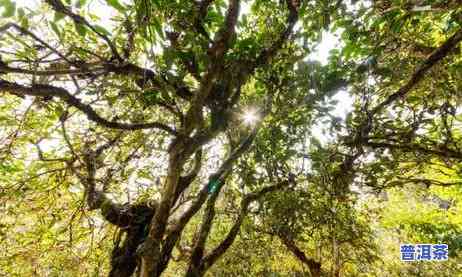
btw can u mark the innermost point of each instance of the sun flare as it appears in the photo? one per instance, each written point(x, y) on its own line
point(250, 117)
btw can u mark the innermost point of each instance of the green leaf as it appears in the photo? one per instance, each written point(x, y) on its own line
point(80, 3)
point(55, 29)
point(24, 22)
point(150, 97)
point(102, 30)
point(58, 16)
point(21, 13)
point(116, 5)
point(81, 30)
point(158, 27)
point(155, 3)
point(9, 8)
point(10, 167)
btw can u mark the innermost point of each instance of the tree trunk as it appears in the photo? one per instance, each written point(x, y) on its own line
point(124, 258)
point(314, 266)
point(151, 252)
point(336, 258)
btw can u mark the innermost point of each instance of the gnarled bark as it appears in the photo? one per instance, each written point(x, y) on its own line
point(124, 258)
point(314, 266)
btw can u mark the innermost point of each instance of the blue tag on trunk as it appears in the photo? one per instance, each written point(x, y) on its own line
point(213, 186)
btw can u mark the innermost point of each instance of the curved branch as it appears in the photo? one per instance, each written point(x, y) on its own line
point(52, 91)
point(185, 181)
point(144, 74)
point(7, 69)
point(218, 251)
point(447, 153)
point(419, 74)
point(439, 54)
point(219, 175)
point(426, 182)
point(314, 266)
point(175, 231)
point(148, 75)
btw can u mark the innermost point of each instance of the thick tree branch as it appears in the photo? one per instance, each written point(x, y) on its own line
point(225, 34)
point(420, 72)
point(144, 76)
point(147, 75)
point(203, 7)
point(181, 149)
point(366, 125)
point(150, 250)
point(197, 253)
point(216, 53)
point(185, 181)
point(314, 266)
point(52, 91)
point(7, 69)
point(427, 182)
point(220, 175)
point(218, 251)
point(441, 152)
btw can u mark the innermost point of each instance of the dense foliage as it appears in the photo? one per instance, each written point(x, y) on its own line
point(155, 137)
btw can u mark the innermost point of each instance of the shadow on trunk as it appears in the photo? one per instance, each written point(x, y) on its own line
point(133, 232)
